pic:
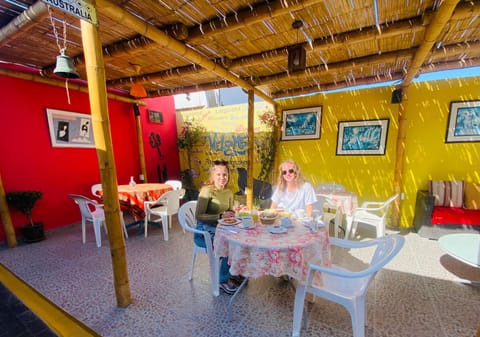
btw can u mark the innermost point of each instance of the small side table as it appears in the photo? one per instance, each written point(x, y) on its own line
point(463, 247)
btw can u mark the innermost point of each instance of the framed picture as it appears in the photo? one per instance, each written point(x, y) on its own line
point(302, 123)
point(362, 137)
point(155, 116)
point(463, 122)
point(70, 129)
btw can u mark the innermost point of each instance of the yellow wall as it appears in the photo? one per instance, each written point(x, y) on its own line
point(427, 155)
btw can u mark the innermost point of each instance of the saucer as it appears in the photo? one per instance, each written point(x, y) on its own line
point(277, 230)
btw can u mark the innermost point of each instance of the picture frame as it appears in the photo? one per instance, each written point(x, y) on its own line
point(463, 122)
point(366, 137)
point(155, 116)
point(300, 124)
point(70, 129)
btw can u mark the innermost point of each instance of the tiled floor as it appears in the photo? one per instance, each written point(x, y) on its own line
point(415, 295)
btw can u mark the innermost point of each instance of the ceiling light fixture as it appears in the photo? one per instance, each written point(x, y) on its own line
point(297, 56)
point(138, 90)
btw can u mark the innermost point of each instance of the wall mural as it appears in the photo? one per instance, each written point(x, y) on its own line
point(230, 144)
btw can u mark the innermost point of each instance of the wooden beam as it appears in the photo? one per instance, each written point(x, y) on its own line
point(250, 150)
point(436, 26)
point(118, 14)
point(23, 22)
point(103, 143)
point(71, 85)
point(6, 219)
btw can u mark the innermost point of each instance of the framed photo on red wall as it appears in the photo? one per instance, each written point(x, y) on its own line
point(70, 129)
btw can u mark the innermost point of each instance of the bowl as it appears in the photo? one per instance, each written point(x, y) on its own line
point(268, 218)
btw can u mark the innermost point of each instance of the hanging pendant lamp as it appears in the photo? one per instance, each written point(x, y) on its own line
point(297, 56)
point(137, 89)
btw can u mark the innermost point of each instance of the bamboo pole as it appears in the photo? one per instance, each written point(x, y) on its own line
point(278, 131)
point(433, 31)
point(400, 156)
point(251, 110)
point(57, 83)
point(141, 151)
point(436, 26)
point(103, 143)
point(118, 14)
point(6, 219)
point(22, 23)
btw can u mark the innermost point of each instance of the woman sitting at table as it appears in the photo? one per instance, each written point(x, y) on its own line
point(215, 201)
point(292, 191)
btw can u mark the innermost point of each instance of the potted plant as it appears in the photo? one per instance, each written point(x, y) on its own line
point(24, 201)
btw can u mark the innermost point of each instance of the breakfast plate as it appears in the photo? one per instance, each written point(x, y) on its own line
point(229, 221)
point(277, 230)
point(244, 225)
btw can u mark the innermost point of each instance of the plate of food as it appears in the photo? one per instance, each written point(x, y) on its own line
point(277, 229)
point(229, 221)
point(246, 225)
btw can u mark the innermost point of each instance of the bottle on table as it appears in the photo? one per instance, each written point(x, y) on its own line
point(132, 182)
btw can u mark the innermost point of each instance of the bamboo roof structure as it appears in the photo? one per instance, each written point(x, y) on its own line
point(197, 45)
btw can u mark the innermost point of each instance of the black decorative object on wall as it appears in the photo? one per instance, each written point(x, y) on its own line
point(396, 96)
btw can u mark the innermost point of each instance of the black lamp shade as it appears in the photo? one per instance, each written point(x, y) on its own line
point(297, 58)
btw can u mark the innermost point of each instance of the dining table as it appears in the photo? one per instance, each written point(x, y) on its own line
point(132, 198)
point(272, 250)
point(344, 201)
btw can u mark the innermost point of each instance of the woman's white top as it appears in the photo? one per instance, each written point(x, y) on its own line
point(298, 199)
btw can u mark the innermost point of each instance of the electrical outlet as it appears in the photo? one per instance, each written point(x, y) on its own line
point(402, 196)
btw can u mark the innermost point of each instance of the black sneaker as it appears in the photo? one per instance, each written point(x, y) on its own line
point(237, 279)
point(229, 287)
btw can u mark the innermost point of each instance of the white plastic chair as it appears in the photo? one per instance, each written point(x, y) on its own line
point(176, 184)
point(93, 212)
point(346, 287)
point(186, 217)
point(331, 187)
point(332, 213)
point(163, 208)
point(373, 213)
point(95, 190)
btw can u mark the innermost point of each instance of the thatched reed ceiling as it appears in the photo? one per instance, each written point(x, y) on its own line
point(186, 46)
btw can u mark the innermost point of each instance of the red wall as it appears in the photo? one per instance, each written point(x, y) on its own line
point(28, 161)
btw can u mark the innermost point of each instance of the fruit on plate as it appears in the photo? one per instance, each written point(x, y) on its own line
point(229, 220)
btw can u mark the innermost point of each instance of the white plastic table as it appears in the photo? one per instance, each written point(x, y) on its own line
point(464, 247)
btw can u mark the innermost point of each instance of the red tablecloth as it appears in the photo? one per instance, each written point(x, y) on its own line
point(132, 198)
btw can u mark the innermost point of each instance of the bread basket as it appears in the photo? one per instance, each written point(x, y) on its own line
point(268, 218)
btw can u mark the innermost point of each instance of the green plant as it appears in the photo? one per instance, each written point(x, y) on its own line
point(191, 134)
point(266, 144)
point(24, 201)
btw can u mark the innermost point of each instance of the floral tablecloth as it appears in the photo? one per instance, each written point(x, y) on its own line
point(256, 252)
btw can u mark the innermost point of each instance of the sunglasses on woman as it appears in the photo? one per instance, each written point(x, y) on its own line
point(291, 171)
point(220, 162)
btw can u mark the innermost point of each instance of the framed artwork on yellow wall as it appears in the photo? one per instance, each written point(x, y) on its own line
point(367, 137)
point(463, 122)
point(70, 129)
point(302, 123)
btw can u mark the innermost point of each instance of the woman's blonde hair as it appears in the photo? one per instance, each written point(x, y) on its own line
point(299, 181)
